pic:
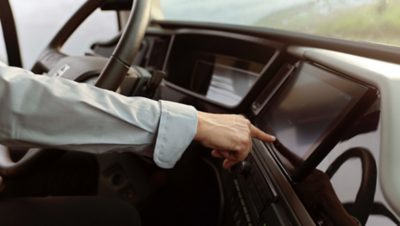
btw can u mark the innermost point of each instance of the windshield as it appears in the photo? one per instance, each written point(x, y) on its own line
point(359, 20)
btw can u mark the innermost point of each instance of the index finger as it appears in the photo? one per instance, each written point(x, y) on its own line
point(259, 134)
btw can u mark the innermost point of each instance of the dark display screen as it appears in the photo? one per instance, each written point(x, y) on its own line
point(307, 108)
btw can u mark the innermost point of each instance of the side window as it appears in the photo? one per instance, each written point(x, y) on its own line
point(38, 21)
point(101, 26)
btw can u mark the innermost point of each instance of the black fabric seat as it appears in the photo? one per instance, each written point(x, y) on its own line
point(67, 211)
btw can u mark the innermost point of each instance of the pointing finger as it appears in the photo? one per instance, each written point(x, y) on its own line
point(259, 134)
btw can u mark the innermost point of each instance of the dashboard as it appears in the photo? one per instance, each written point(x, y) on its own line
point(341, 98)
point(308, 112)
point(318, 103)
point(206, 64)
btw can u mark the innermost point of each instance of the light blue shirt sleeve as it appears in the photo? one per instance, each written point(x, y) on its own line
point(39, 111)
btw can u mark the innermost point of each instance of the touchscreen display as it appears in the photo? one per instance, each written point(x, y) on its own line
point(307, 108)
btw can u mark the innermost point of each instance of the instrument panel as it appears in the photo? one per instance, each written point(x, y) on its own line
point(308, 110)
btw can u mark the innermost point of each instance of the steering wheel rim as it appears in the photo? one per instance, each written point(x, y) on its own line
point(110, 78)
point(365, 195)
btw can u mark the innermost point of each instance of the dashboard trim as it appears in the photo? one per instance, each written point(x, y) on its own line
point(286, 192)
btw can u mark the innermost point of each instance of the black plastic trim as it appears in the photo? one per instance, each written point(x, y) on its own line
point(370, 50)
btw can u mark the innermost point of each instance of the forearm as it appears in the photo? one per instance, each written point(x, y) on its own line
point(56, 112)
point(47, 112)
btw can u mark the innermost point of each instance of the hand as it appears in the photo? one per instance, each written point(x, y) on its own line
point(228, 135)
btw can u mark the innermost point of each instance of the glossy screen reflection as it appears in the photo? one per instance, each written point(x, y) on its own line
point(308, 107)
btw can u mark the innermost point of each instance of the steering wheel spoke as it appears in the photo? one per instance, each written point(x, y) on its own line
point(47, 60)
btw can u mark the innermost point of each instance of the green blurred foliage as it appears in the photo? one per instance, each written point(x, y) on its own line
point(377, 21)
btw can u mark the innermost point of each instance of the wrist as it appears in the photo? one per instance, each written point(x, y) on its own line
point(200, 119)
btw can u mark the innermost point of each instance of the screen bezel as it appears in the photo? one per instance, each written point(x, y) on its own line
point(330, 136)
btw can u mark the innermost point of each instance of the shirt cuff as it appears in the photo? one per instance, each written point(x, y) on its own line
point(177, 128)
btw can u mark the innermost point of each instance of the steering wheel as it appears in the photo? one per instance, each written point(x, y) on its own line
point(362, 206)
point(55, 63)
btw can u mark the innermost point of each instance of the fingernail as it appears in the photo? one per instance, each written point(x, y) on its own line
point(273, 138)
